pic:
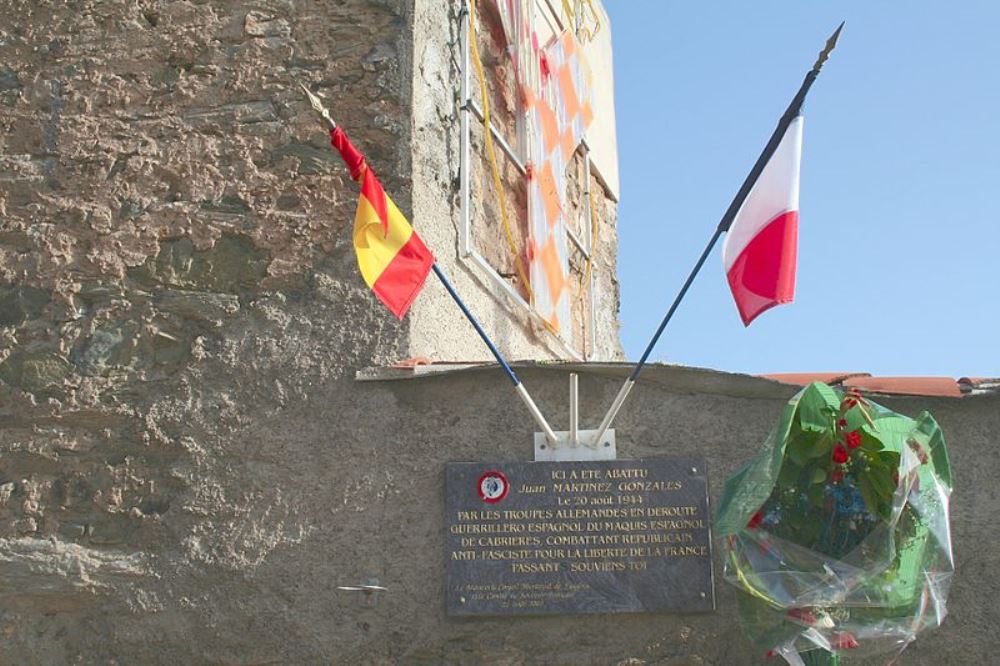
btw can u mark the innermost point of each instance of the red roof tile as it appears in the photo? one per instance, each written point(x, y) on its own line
point(929, 386)
point(805, 378)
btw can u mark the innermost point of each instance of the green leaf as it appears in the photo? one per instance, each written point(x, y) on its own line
point(870, 441)
point(745, 491)
point(873, 460)
point(820, 446)
point(818, 475)
point(868, 494)
point(816, 496)
point(889, 460)
point(788, 475)
point(881, 481)
point(798, 451)
point(817, 407)
point(890, 430)
point(855, 419)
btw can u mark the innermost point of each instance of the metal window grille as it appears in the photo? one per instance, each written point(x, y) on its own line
point(467, 252)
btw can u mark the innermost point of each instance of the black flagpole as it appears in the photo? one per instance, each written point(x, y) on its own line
point(727, 220)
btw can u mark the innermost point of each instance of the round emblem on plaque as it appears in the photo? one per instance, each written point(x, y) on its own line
point(493, 487)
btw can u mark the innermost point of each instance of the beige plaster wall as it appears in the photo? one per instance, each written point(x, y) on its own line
point(438, 330)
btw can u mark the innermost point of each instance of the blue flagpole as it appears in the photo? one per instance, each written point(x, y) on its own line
point(518, 386)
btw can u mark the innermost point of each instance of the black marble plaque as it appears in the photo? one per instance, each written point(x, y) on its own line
point(578, 537)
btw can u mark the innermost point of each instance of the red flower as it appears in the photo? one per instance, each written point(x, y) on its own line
point(837, 475)
point(842, 423)
point(850, 402)
point(802, 615)
point(853, 439)
point(840, 454)
point(755, 521)
point(844, 641)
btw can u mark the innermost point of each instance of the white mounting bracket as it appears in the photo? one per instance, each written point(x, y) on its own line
point(566, 451)
point(575, 444)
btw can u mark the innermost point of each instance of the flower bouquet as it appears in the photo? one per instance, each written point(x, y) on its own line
point(836, 535)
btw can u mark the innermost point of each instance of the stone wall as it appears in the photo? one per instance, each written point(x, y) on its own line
point(398, 526)
point(228, 548)
point(175, 272)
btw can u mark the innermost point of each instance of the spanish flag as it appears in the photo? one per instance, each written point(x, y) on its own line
point(393, 260)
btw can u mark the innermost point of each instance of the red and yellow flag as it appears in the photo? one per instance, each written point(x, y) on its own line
point(393, 260)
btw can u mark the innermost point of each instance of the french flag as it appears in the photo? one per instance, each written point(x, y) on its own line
point(760, 248)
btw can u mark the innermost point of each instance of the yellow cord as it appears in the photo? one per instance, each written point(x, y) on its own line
point(582, 33)
point(748, 586)
point(491, 152)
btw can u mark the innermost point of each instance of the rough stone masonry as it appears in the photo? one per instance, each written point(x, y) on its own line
point(175, 272)
point(184, 472)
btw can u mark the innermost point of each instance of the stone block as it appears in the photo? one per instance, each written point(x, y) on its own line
point(18, 303)
point(311, 160)
point(242, 113)
point(257, 24)
point(233, 264)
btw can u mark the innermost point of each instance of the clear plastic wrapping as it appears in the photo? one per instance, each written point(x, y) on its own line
point(836, 535)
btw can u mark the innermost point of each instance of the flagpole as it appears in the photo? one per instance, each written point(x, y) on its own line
point(522, 392)
point(727, 220)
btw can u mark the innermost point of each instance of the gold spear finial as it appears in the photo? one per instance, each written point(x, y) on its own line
point(831, 43)
point(318, 107)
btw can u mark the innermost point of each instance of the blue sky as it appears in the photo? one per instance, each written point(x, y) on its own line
point(899, 240)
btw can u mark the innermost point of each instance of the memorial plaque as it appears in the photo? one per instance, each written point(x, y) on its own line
point(578, 537)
